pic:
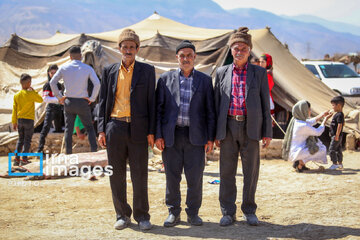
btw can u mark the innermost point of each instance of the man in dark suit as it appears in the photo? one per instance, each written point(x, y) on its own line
point(185, 129)
point(126, 126)
point(243, 118)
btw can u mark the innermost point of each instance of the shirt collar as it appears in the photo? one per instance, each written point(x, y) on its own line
point(240, 69)
point(191, 74)
point(130, 68)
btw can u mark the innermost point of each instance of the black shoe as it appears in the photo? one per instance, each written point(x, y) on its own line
point(16, 163)
point(295, 164)
point(23, 162)
point(227, 220)
point(195, 220)
point(304, 168)
point(171, 220)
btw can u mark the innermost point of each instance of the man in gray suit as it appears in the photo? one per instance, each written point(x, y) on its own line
point(243, 118)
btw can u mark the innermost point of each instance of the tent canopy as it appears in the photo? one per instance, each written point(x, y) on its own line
point(159, 38)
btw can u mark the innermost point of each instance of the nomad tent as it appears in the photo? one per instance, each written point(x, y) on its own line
point(159, 37)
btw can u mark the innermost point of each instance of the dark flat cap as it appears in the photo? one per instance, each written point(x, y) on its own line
point(185, 44)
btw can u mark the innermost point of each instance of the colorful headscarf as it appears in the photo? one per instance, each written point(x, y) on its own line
point(268, 59)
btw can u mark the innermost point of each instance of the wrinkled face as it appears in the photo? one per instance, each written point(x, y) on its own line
point(262, 62)
point(128, 50)
point(186, 58)
point(52, 72)
point(240, 52)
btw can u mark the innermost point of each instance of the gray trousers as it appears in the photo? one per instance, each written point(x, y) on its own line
point(235, 142)
point(26, 130)
point(335, 150)
point(73, 107)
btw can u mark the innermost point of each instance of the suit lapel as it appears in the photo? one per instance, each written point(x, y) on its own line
point(135, 76)
point(228, 79)
point(115, 79)
point(195, 84)
point(249, 78)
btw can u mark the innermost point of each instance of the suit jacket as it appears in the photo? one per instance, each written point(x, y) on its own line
point(201, 111)
point(258, 123)
point(142, 99)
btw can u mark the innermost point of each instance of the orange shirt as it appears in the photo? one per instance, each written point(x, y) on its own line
point(122, 94)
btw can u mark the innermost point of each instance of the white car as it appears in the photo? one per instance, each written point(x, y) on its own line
point(336, 75)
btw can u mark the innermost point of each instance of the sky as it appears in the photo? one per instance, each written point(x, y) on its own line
point(347, 11)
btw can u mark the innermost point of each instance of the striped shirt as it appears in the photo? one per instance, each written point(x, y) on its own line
point(238, 86)
point(185, 97)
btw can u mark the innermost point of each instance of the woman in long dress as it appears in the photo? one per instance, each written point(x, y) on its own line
point(300, 143)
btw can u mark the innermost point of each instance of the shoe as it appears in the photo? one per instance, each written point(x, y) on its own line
point(304, 168)
point(145, 225)
point(195, 220)
point(251, 219)
point(171, 220)
point(16, 162)
point(226, 220)
point(333, 167)
point(122, 223)
point(23, 162)
point(341, 167)
point(295, 164)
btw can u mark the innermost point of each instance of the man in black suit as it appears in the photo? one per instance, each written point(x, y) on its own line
point(243, 118)
point(185, 129)
point(126, 126)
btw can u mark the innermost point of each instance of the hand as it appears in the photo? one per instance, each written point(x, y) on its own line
point(15, 126)
point(326, 113)
point(87, 99)
point(336, 138)
point(217, 143)
point(266, 142)
point(160, 144)
point(102, 140)
point(150, 139)
point(209, 146)
point(328, 116)
point(81, 136)
point(62, 100)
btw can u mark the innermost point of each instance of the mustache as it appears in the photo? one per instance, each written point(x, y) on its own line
point(128, 54)
point(185, 62)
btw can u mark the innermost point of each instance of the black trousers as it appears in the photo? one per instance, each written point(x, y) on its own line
point(53, 112)
point(25, 130)
point(121, 148)
point(73, 107)
point(184, 155)
point(335, 150)
point(235, 142)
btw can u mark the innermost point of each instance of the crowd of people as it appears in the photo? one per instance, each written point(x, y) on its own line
point(184, 116)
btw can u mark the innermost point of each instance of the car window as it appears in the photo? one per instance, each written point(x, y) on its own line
point(312, 69)
point(337, 71)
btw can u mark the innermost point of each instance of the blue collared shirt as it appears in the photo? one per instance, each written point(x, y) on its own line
point(185, 97)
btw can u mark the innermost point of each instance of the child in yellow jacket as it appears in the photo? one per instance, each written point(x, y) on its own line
point(23, 116)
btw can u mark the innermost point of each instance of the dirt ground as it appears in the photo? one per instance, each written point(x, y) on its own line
point(312, 205)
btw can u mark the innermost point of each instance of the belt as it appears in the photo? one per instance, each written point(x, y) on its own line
point(239, 118)
point(123, 119)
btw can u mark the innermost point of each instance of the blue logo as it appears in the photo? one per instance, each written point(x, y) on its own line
point(40, 155)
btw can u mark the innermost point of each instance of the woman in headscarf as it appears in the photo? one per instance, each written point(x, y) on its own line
point(267, 63)
point(300, 143)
